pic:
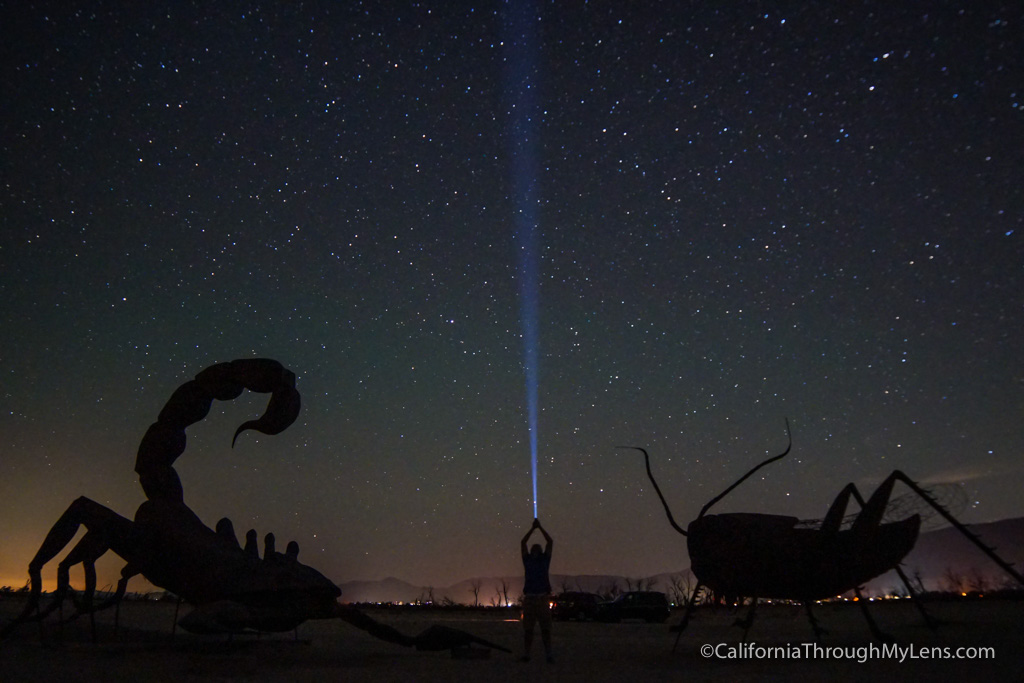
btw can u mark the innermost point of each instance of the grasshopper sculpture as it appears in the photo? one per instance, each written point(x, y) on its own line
point(758, 555)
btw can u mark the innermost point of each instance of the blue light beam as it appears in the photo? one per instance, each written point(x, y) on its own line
point(529, 304)
point(521, 90)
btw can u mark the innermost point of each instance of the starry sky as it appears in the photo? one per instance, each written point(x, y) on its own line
point(738, 216)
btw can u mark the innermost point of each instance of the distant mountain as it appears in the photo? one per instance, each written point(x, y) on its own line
point(398, 591)
point(386, 590)
point(939, 558)
point(493, 590)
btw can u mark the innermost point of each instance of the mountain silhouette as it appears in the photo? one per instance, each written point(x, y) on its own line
point(940, 560)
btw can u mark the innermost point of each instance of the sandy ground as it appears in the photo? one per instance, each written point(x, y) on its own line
point(143, 649)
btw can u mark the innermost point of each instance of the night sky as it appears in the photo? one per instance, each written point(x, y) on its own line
point(738, 215)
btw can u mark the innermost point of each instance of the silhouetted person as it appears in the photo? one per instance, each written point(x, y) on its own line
point(268, 546)
point(536, 591)
point(292, 551)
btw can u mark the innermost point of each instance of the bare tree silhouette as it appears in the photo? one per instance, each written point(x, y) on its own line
point(977, 581)
point(681, 586)
point(610, 590)
point(954, 581)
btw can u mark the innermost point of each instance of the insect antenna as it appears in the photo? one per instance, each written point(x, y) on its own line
point(647, 462)
point(739, 481)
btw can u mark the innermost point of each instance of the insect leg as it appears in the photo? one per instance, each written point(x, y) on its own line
point(818, 630)
point(681, 626)
point(748, 620)
point(871, 516)
point(878, 633)
point(834, 517)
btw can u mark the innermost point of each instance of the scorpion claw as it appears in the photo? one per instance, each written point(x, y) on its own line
point(431, 640)
point(445, 638)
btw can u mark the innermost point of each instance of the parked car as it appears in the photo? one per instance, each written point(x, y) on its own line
point(651, 606)
point(575, 605)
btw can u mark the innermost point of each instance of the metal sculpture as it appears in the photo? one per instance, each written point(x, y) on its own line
point(232, 588)
point(757, 555)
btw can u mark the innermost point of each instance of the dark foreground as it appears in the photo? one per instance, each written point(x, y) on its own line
point(145, 651)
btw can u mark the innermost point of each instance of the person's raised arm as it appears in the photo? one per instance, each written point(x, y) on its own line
point(522, 543)
point(547, 538)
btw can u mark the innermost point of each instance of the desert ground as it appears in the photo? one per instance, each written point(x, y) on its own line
point(143, 648)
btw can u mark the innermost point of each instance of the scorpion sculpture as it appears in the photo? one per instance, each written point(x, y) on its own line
point(231, 587)
point(771, 556)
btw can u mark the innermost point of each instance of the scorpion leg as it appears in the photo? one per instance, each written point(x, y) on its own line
point(92, 546)
point(103, 525)
point(127, 572)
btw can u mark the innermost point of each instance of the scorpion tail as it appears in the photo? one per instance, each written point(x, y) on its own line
point(190, 403)
point(281, 412)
